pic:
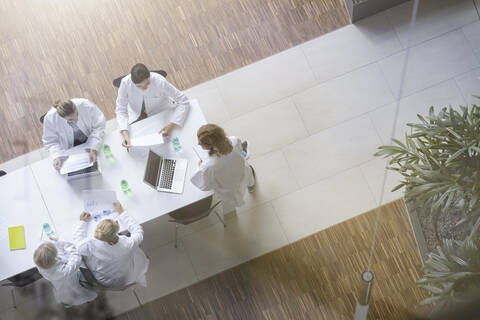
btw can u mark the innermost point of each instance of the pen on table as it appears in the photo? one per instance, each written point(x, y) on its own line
point(199, 158)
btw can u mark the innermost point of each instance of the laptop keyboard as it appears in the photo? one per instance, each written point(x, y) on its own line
point(168, 169)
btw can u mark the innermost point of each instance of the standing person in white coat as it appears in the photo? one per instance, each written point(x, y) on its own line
point(70, 123)
point(143, 93)
point(225, 171)
point(59, 263)
point(114, 260)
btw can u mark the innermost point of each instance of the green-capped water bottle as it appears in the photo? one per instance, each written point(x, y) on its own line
point(48, 230)
point(176, 144)
point(124, 186)
point(107, 151)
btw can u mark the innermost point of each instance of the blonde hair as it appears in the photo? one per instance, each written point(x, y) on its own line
point(214, 139)
point(46, 255)
point(107, 231)
point(64, 108)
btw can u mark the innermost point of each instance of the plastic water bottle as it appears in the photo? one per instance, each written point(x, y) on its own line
point(124, 186)
point(107, 151)
point(48, 230)
point(176, 144)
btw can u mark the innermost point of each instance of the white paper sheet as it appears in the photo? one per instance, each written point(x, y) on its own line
point(99, 202)
point(76, 162)
point(147, 140)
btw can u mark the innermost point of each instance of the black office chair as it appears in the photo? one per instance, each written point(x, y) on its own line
point(116, 82)
point(42, 117)
point(22, 280)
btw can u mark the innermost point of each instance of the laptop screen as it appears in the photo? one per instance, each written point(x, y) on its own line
point(152, 170)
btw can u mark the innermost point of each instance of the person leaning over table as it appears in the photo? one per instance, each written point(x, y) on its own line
point(226, 171)
point(70, 123)
point(115, 260)
point(143, 93)
point(59, 262)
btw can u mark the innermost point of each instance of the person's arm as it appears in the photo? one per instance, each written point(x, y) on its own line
point(51, 141)
point(98, 122)
point(121, 109)
point(135, 229)
point(81, 231)
point(182, 105)
point(71, 255)
point(203, 178)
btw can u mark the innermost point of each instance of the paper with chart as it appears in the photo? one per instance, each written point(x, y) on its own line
point(99, 203)
point(148, 140)
point(76, 162)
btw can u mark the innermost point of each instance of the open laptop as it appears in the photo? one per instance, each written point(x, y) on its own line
point(84, 173)
point(165, 174)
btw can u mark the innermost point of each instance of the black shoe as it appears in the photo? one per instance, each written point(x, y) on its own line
point(252, 188)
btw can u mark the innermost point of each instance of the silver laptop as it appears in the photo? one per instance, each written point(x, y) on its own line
point(84, 173)
point(165, 174)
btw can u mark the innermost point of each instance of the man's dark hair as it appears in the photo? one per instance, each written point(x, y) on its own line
point(139, 73)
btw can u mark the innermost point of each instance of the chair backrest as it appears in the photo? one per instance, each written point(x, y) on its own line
point(23, 279)
point(87, 280)
point(193, 212)
point(116, 82)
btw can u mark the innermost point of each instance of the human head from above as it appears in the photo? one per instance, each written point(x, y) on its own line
point(66, 109)
point(140, 76)
point(213, 138)
point(45, 256)
point(107, 230)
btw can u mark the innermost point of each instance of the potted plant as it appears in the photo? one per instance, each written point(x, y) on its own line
point(440, 165)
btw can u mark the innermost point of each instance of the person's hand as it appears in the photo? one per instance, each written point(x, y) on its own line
point(57, 163)
point(118, 207)
point(84, 216)
point(93, 155)
point(53, 238)
point(200, 163)
point(167, 129)
point(125, 139)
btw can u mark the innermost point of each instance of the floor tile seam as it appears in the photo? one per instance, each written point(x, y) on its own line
point(470, 45)
point(457, 85)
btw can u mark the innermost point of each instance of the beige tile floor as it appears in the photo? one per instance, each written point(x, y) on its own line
point(314, 116)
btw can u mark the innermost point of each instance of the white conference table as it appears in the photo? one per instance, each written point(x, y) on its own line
point(64, 198)
point(51, 198)
point(21, 204)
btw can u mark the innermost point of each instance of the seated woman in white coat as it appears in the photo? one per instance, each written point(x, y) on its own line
point(225, 171)
point(114, 260)
point(142, 94)
point(70, 123)
point(59, 263)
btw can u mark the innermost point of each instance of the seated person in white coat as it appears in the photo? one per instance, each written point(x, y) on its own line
point(114, 260)
point(59, 263)
point(143, 93)
point(225, 171)
point(71, 123)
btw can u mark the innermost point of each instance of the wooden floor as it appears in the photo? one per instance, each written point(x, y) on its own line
point(53, 49)
point(314, 278)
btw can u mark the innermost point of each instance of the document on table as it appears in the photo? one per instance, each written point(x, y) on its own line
point(99, 203)
point(76, 162)
point(147, 140)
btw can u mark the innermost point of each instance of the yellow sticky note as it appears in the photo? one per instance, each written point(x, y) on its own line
point(16, 236)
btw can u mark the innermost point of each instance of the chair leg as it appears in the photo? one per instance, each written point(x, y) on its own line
point(221, 220)
point(136, 296)
point(13, 298)
point(176, 234)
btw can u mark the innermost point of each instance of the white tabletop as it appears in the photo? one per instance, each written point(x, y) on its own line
point(64, 198)
point(22, 204)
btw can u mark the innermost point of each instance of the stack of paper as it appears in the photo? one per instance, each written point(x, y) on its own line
point(148, 140)
point(76, 162)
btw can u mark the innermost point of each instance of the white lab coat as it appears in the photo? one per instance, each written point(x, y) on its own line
point(115, 265)
point(64, 276)
point(58, 134)
point(228, 175)
point(160, 95)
